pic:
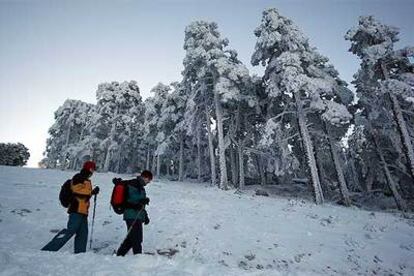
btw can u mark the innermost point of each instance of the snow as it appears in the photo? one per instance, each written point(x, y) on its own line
point(215, 232)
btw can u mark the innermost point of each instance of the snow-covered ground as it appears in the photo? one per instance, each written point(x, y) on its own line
point(199, 230)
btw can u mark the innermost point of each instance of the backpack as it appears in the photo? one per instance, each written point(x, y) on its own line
point(66, 195)
point(118, 198)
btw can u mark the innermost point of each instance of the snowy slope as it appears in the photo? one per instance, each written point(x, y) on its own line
point(207, 232)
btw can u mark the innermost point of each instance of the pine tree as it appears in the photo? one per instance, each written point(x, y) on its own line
point(383, 86)
point(304, 93)
point(65, 133)
point(385, 71)
point(154, 138)
point(213, 73)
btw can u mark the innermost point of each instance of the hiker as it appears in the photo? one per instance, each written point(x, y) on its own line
point(135, 213)
point(81, 188)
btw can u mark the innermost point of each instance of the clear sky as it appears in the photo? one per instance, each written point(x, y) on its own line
point(54, 50)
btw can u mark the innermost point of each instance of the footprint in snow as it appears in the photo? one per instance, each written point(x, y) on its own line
point(222, 262)
point(312, 216)
point(377, 259)
point(101, 246)
point(243, 265)
point(250, 257)
point(299, 257)
point(355, 260)
point(351, 242)
point(259, 267)
point(21, 212)
point(327, 221)
point(288, 209)
point(169, 252)
point(374, 228)
point(408, 247)
point(281, 264)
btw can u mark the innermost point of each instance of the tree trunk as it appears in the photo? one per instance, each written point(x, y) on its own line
point(211, 149)
point(354, 172)
point(75, 164)
point(338, 168)
point(199, 154)
point(259, 167)
point(391, 183)
point(82, 134)
point(262, 168)
point(310, 154)
point(233, 164)
point(181, 165)
point(222, 150)
point(154, 162)
point(147, 165)
point(158, 165)
point(241, 164)
point(107, 159)
point(370, 180)
point(118, 163)
point(402, 125)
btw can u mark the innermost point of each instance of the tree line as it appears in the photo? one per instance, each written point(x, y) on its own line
point(298, 122)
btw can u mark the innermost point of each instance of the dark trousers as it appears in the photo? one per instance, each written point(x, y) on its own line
point(133, 239)
point(77, 224)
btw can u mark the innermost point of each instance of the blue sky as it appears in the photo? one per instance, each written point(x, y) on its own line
point(54, 50)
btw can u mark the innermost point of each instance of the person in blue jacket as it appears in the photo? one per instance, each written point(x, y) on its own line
point(135, 214)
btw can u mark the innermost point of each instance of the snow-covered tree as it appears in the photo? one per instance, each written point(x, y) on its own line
point(175, 109)
point(203, 45)
point(120, 108)
point(215, 75)
point(66, 133)
point(153, 135)
point(385, 90)
point(385, 71)
point(302, 89)
point(13, 154)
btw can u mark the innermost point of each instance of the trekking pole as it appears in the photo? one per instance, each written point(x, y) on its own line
point(133, 223)
point(93, 221)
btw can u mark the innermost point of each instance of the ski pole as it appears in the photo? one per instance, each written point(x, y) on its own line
point(93, 221)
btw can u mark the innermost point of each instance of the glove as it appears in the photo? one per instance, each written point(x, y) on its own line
point(116, 180)
point(95, 191)
point(146, 218)
point(145, 201)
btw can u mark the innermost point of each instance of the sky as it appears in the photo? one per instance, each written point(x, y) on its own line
point(54, 50)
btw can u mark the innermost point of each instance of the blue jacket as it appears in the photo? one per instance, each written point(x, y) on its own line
point(136, 192)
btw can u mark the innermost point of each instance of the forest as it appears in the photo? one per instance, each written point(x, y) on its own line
point(299, 122)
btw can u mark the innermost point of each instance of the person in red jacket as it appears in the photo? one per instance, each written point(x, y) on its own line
point(82, 191)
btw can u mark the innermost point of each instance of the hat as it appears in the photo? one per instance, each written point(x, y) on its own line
point(89, 166)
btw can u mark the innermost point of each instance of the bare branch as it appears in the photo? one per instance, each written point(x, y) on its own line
point(398, 169)
point(408, 112)
point(255, 151)
point(282, 114)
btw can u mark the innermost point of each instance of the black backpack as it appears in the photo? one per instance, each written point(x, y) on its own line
point(66, 195)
